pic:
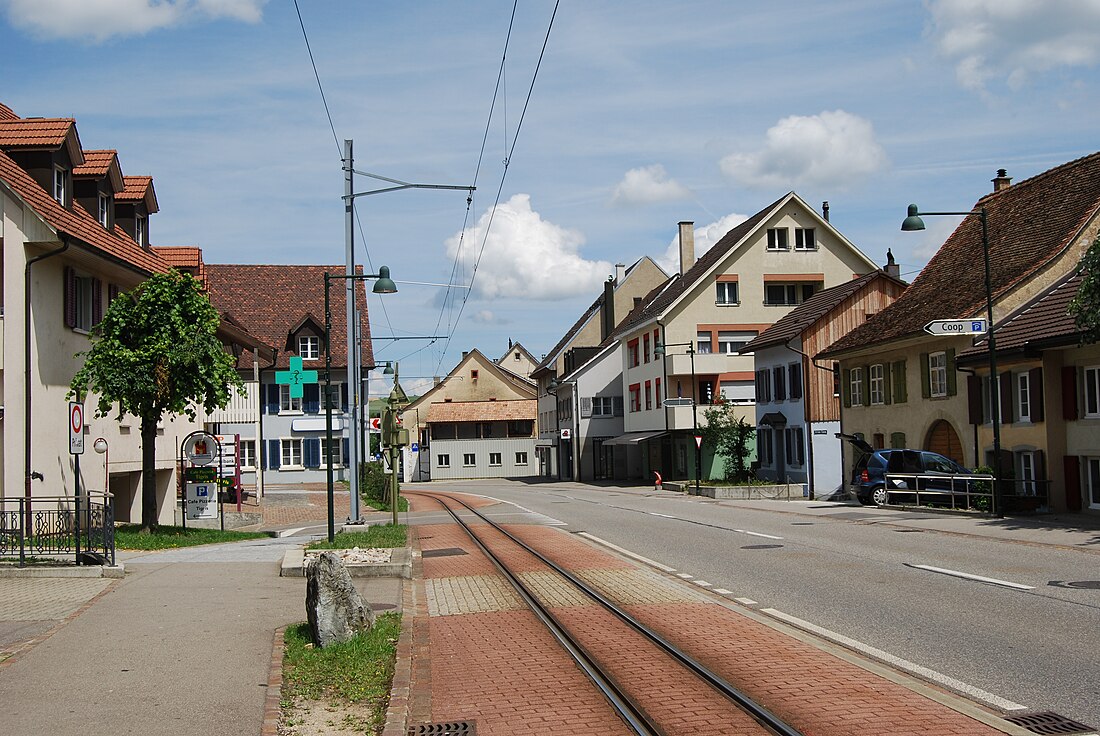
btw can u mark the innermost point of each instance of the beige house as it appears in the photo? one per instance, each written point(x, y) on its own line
point(478, 422)
point(753, 276)
point(518, 359)
point(905, 388)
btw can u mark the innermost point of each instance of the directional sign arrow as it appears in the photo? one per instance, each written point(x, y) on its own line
point(976, 326)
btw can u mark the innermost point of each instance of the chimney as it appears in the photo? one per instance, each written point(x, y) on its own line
point(465, 353)
point(825, 210)
point(607, 310)
point(892, 268)
point(687, 246)
point(1001, 181)
point(509, 343)
point(620, 273)
point(435, 381)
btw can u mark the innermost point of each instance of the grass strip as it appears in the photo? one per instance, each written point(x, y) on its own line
point(375, 536)
point(130, 536)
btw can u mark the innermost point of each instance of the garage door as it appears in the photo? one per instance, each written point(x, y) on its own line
point(942, 439)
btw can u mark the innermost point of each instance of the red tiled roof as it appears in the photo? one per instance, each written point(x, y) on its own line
point(6, 113)
point(96, 163)
point(1029, 224)
point(268, 300)
point(77, 222)
point(183, 257)
point(137, 189)
point(34, 132)
point(482, 411)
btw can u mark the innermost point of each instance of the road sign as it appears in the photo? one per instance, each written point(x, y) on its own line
point(376, 424)
point(201, 500)
point(698, 441)
point(200, 448)
point(414, 447)
point(76, 428)
point(677, 402)
point(566, 434)
point(977, 326)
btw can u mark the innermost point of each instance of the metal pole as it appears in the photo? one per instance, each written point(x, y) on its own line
point(76, 477)
point(995, 389)
point(353, 358)
point(328, 413)
point(695, 417)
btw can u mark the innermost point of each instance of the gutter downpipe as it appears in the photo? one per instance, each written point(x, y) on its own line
point(664, 382)
point(261, 444)
point(977, 450)
point(28, 473)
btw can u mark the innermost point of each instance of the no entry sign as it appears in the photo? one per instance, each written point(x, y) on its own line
point(76, 428)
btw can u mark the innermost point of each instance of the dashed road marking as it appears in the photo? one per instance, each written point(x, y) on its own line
point(970, 576)
point(746, 601)
point(723, 591)
point(758, 534)
point(684, 575)
point(628, 553)
point(703, 583)
point(663, 516)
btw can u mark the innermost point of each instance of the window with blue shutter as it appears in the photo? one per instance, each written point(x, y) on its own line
point(273, 401)
point(274, 454)
point(311, 398)
point(347, 451)
point(311, 450)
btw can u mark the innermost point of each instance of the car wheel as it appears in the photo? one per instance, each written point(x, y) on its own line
point(879, 496)
point(863, 500)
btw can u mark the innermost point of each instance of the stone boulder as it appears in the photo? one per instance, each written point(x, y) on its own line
point(334, 607)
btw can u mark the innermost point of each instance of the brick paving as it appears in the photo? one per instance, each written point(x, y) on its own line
point(302, 505)
point(491, 661)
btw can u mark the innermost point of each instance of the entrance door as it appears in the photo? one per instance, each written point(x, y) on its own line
point(942, 439)
point(602, 459)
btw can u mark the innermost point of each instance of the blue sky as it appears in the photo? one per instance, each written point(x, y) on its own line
point(643, 114)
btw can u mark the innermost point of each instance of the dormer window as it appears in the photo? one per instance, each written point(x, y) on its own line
point(59, 182)
point(309, 347)
point(139, 230)
point(104, 215)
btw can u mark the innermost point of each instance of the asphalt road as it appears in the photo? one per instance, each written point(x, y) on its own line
point(1034, 647)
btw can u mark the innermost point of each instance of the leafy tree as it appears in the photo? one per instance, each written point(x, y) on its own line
point(1085, 307)
point(728, 433)
point(156, 352)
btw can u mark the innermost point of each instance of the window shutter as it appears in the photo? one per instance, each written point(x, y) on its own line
point(1040, 471)
point(897, 440)
point(901, 391)
point(311, 398)
point(1069, 392)
point(112, 293)
point(1072, 466)
point(795, 375)
point(586, 407)
point(974, 399)
point(273, 400)
point(261, 455)
point(846, 387)
point(617, 405)
point(952, 378)
point(70, 297)
point(865, 384)
point(780, 383)
point(925, 379)
point(274, 453)
point(346, 450)
point(887, 383)
point(344, 397)
point(311, 452)
point(1035, 389)
point(97, 301)
point(1006, 397)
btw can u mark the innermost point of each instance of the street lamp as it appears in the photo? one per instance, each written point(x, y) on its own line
point(659, 349)
point(912, 223)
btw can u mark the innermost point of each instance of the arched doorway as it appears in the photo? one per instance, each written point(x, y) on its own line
point(943, 440)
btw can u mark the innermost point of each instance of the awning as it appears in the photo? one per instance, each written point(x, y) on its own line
point(632, 438)
point(545, 442)
point(774, 419)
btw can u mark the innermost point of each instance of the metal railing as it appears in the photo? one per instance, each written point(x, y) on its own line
point(965, 491)
point(47, 528)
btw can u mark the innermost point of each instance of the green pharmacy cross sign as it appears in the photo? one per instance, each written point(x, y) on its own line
point(295, 377)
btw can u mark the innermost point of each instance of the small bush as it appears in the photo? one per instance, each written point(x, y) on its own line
point(373, 482)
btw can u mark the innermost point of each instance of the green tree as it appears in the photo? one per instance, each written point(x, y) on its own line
point(156, 352)
point(728, 433)
point(1085, 307)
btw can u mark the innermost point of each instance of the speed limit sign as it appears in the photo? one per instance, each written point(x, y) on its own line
point(76, 428)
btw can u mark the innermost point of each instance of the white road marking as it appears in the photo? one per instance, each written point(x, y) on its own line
point(550, 520)
point(703, 583)
point(628, 553)
point(746, 601)
point(757, 534)
point(663, 516)
point(723, 591)
point(684, 575)
point(979, 578)
point(898, 662)
point(292, 532)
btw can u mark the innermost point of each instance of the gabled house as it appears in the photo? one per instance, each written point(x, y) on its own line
point(518, 360)
point(621, 292)
point(282, 437)
point(1038, 230)
point(67, 251)
point(754, 275)
point(477, 422)
point(797, 399)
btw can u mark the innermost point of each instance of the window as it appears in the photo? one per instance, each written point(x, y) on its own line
point(84, 293)
point(794, 375)
point(836, 379)
point(1027, 473)
point(632, 354)
point(703, 339)
point(780, 382)
point(795, 448)
point(706, 391)
point(521, 458)
point(59, 188)
point(248, 454)
point(1092, 392)
point(1023, 395)
point(521, 427)
point(337, 454)
point(730, 342)
point(645, 348)
point(443, 461)
point(764, 386)
point(139, 230)
point(857, 386)
point(777, 238)
point(878, 383)
point(287, 403)
point(517, 355)
point(494, 458)
point(485, 429)
point(636, 397)
point(1092, 480)
point(764, 451)
point(804, 239)
point(474, 375)
point(468, 459)
point(309, 347)
point(104, 215)
point(739, 392)
point(788, 294)
point(937, 373)
point(657, 397)
point(726, 293)
point(648, 396)
point(291, 452)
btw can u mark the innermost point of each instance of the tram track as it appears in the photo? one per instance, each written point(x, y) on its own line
point(622, 695)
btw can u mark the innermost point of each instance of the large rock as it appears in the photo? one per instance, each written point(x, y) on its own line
point(334, 607)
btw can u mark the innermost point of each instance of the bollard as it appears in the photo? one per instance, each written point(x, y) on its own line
point(657, 482)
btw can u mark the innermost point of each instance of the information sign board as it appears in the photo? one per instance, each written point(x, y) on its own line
point(201, 500)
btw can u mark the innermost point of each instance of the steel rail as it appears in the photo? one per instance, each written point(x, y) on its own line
point(758, 712)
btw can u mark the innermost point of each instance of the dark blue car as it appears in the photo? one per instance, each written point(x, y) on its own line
point(937, 474)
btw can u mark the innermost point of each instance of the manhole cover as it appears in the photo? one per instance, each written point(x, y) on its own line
point(762, 546)
point(1048, 723)
point(458, 728)
point(446, 552)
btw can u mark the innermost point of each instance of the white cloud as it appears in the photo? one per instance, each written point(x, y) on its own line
point(98, 20)
point(526, 256)
point(648, 184)
point(1011, 39)
point(705, 237)
point(486, 317)
point(833, 149)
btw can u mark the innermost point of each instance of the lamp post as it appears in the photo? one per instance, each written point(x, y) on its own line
point(659, 349)
point(912, 223)
point(383, 285)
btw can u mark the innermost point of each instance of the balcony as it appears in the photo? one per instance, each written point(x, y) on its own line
point(708, 364)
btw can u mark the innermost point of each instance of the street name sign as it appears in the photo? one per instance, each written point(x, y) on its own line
point(977, 326)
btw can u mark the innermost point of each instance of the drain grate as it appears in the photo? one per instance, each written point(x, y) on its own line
point(1048, 723)
point(457, 728)
point(762, 546)
point(445, 552)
